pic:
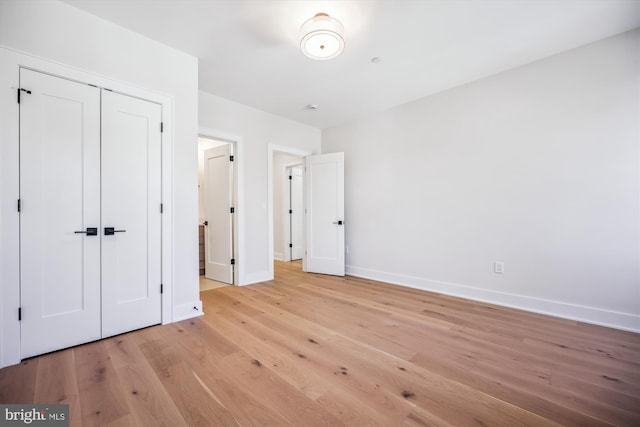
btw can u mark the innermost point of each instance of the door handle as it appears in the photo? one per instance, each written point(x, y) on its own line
point(91, 231)
point(110, 231)
point(338, 222)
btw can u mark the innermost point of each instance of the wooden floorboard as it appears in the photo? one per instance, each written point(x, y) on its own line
point(311, 350)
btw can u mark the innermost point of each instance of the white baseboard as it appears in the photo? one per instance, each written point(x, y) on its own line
point(612, 319)
point(187, 311)
point(250, 279)
point(278, 256)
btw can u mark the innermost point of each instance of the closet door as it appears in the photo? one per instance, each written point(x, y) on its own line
point(131, 217)
point(60, 204)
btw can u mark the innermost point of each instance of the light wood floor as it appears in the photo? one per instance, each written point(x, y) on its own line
point(311, 350)
point(208, 284)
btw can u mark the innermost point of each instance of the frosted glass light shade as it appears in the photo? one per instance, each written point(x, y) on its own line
point(321, 37)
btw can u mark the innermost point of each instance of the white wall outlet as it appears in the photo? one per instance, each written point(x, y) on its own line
point(498, 267)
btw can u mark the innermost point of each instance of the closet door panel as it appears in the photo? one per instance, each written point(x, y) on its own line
point(131, 198)
point(60, 201)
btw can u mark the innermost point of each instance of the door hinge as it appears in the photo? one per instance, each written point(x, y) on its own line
point(161, 288)
point(290, 211)
point(290, 245)
point(233, 210)
point(22, 90)
point(231, 158)
point(18, 205)
point(290, 177)
point(161, 207)
point(161, 127)
point(233, 261)
point(19, 314)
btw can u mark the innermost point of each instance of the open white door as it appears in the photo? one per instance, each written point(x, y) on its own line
point(296, 213)
point(218, 248)
point(131, 216)
point(60, 213)
point(324, 179)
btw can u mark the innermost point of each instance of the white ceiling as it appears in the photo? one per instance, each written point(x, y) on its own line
point(249, 50)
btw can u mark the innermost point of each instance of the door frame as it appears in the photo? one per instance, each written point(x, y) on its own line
point(237, 194)
point(271, 150)
point(10, 63)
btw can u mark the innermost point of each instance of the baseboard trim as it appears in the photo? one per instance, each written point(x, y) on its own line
point(596, 316)
point(187, 311)
point(250, 279)
point(278, 256)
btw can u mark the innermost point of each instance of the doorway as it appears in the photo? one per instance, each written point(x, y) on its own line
point(216, 199)
point(288, 205)
point(323, 195)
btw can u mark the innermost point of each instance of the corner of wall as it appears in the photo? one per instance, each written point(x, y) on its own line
point(187, 311)
point(250, 279)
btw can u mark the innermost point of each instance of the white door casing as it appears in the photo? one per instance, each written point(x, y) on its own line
point(324, 182)
point(131, 200)
point(218, 200)
point(296, 217)
point(60, 199)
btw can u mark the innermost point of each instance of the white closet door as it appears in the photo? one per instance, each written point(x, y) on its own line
point(131, 198)
point(60, 196)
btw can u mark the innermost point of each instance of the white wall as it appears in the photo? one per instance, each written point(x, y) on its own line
point(280, 201)
point(57, 32)
point(537, 167)
point(253, 130)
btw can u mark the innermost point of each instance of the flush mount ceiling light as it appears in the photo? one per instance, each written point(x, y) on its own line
point(321, 37)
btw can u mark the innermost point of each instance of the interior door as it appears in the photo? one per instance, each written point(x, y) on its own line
point(131, 213)
point(296, 213)
point(324, 180)
point(60, 205)
point(218, 249)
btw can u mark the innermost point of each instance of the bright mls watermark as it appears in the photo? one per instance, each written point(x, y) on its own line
point(34, 415)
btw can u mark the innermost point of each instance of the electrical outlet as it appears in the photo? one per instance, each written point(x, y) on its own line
point(498, 267)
